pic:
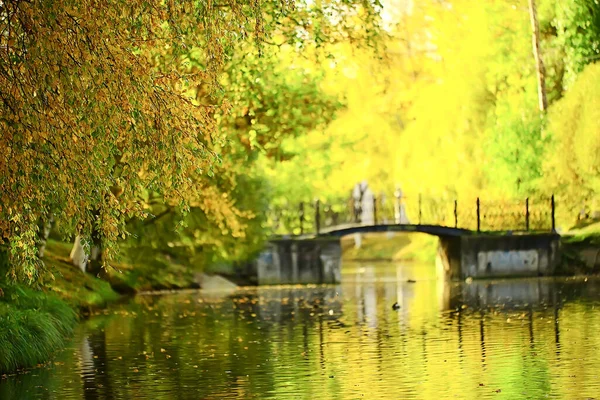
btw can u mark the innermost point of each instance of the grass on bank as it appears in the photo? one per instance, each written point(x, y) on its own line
point(136, 270)
point(580, 249)
point(35, 322)
point(418, 247)
point(586, 231)
point(148, 270)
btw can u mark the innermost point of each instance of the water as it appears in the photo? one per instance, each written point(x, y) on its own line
point(518, 339)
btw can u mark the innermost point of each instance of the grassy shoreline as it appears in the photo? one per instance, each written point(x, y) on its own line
point(36, 322)
point(580, 253)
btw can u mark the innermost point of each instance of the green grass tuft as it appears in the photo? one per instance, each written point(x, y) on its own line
point(34, 324)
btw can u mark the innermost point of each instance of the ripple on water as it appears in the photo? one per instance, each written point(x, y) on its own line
point(507, 339)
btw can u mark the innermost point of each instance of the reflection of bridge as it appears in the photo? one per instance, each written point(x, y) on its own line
point(436, 216)
point(481, 238)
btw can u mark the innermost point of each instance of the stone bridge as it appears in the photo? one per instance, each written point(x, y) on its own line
point(478, 239)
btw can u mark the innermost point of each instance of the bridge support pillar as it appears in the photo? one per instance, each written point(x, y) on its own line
point(448, 260)
point(295, 261)
point(494, 256)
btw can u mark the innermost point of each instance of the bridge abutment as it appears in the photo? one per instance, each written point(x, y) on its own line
point(318, 260)
point(297, 261)
point(494, 256)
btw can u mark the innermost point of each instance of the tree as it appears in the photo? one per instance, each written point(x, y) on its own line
point(98, 104)
point(572, 166)
point(271, 99)
point(577, 24)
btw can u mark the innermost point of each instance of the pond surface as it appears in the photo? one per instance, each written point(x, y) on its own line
point(518, 339)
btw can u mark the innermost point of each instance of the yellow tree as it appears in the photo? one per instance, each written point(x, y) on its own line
point(97, 104)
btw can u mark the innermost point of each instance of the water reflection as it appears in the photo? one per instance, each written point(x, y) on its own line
point(514, 339)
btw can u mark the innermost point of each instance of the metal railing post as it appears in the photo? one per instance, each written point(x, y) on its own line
point(420, 208)
point(357, 210)
point(398, 206)
point(527, 214)
point(317, 216)
point(301, 218)
point(456, 213)
point(553, 205)
point(374, 210)
point(478, 216)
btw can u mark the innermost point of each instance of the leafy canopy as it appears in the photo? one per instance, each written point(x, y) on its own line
point(100, 103)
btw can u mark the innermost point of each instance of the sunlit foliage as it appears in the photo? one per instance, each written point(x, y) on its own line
point(451, 108)
point(573, 163)
point(102, 103)
point(112, 112)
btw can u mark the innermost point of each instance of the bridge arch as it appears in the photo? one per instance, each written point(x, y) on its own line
point(435, 230)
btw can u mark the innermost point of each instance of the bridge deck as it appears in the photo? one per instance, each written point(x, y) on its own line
point(436, 230)
point(348, 229)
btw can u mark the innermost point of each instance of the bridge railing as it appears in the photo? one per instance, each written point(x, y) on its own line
point(479, 215)
point(521, 215)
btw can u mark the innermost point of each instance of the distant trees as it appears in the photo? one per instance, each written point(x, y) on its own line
point(572, 164)
point(453, 107)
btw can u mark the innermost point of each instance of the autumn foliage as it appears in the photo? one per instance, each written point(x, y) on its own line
point(106, 102)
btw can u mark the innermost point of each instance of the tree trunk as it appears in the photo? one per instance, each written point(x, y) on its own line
point(92, 262)
point(95, 260)
point(44, 227)
point(78, 256)
point(541, 72)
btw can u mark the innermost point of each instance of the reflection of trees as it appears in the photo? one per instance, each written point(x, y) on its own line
point(95, 368)
point(285, 343)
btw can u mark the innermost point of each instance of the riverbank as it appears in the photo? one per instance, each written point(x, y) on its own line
point(35, 322)
point(580, 248)
point(417, 247)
